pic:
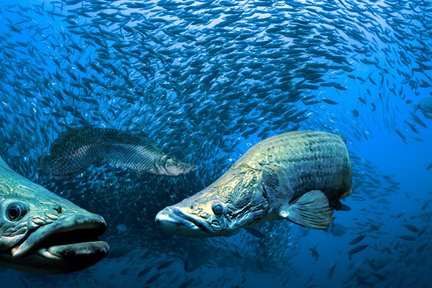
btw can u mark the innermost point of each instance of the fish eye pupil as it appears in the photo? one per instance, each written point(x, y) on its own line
point(15, 212)
point(217, 209)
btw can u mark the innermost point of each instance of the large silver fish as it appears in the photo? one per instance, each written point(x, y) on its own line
point(43, 232)
point(78, 149)
point(298, 176)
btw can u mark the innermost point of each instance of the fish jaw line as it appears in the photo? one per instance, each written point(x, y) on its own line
point(173, 219)
point(87, 228)
point(178, 170)
point(83, 249)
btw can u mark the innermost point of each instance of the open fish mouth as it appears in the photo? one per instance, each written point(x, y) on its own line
point(176, 221)
point(73, 239)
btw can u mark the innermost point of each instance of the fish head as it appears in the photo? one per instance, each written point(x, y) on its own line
point(198, 215)
point(174, 167)
point(42, 232)
point(219, 210)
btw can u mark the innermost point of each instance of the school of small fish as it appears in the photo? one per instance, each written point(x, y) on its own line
point(202, 79)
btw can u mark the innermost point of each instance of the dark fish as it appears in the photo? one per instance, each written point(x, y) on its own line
point(356, 250)
point(328, 101)
point(425, 106)
point(362, 100)
point(379, 276)
point(186, 283)
point(407, 237)
point(355, 113)
point(165, 264)
point(429, 167)
point(78, 149)
point(337, 229)
point(399, 133)
point(425, 205)
point(412, 127)
point(418, 120)
point(255, 232)
point(152, 279)
point(331, 271)
point(314, 253)
point(144, 271)
point(422, 247)
point(411, 228)
point(357, 239)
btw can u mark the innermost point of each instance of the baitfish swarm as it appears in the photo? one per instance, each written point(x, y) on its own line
point(78, 149)
point(298, 176)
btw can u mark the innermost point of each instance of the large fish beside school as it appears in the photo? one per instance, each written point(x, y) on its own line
point(78, 149)
point(43, 232)
point(299, 176)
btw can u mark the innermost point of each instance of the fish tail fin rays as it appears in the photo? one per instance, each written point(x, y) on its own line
point(311, 210)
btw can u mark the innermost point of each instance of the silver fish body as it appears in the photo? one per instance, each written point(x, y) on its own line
point(299, 176)
point(78, 149)
point(42, 232)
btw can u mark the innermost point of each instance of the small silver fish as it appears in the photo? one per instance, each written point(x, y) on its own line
point(298, 176)
point(78, 149)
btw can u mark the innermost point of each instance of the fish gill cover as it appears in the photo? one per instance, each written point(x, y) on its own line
point(205, 81)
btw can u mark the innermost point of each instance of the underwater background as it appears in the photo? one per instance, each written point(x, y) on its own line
point(206, 80)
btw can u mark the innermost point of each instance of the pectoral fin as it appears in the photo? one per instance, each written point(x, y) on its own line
point(310, 210)
point(275, 183)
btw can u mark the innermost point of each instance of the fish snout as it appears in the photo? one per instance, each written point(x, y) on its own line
point(166, 218)
point(174, 220)
point(175, 168)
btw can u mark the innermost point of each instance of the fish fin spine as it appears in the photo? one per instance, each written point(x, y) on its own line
point(339, 206)
point(311, 210)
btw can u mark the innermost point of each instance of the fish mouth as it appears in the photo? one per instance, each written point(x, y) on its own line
point(174, 220)
point(179, 169)
point(68, 244)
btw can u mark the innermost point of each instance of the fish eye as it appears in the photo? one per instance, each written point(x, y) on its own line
point(217, 209)
point(15, 211)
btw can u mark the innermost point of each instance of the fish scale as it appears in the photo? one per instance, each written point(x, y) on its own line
point(308, 158)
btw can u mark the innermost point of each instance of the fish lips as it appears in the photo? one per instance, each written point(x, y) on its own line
point(69, 243)
point(174, 220)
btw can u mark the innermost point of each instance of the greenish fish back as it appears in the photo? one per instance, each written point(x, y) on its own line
point(77, 149)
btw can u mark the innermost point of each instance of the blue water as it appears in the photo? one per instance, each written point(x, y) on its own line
point(206, 81)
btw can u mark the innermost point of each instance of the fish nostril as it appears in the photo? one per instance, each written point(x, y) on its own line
point(58, 209)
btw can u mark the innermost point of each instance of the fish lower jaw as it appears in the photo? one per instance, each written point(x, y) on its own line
point(174, 221)
point(69, 232)
point(77, 250)
point(60, 248)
